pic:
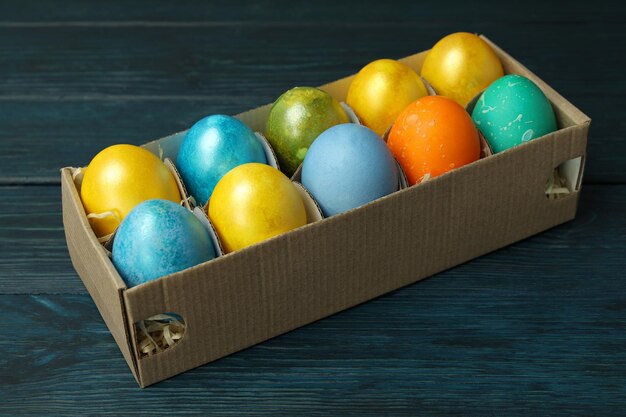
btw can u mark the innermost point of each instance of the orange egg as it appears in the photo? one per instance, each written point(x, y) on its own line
point(433, 135)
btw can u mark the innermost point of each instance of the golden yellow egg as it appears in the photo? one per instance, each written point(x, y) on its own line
point(460, 66)
point(254, 202)
point(119, 178)
point(381, 90)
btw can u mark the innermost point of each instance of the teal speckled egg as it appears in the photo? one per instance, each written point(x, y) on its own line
point(511, 111)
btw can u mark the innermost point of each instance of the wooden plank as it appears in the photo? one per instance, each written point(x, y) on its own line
point(590, 246)
point(550, 345)
point(33, 253)
point(43, 136)
point(92, 62)
point(404, 11)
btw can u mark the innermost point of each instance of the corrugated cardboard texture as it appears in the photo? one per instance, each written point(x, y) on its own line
point(254, 294)
point(94, 267)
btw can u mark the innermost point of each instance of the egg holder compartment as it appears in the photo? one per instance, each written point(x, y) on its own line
point(251, 295)
point(161, 331)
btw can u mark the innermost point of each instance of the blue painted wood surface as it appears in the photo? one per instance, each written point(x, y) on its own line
point(537, 328)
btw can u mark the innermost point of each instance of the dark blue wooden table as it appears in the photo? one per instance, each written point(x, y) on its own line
point(537, 328)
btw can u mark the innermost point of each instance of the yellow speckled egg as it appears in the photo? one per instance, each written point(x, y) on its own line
point(119, 178)
point(381, 90)
point(254, 202)
point(460, 66)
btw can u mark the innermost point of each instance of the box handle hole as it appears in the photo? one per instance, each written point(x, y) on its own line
point(158, 333)
point(565, 179)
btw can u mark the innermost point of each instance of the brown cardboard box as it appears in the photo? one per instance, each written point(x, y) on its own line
point(251, 295)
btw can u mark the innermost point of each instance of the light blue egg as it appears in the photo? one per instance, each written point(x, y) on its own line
point(157, 238)
point(511, 111)
point(212, 147)
point(348, 165)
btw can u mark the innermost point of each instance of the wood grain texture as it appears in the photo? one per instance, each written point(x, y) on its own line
point(455, 344)
point(285, 11)
point(31, 228)
point(73, 62)
point(537, 328)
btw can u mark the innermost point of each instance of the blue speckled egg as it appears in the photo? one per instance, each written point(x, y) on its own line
point(212, 147)
point(157, 238)
point(513, 110)
point(347, 166)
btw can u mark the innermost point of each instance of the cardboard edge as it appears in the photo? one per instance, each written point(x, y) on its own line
point(485, 148)
point(166, 146)
point(352, 116)
point(313, 210)
point(186, 200)
point(429, 88)
point(206, 222)
point(68, 183)
point(270, 154)
point(76, 212)
point(403, 180)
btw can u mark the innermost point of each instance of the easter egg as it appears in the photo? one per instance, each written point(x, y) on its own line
point(460, 66)
point(157, 238)
point(297, 117)
point(212, 147)
point(433, 135)
point(120, 177)
point(254, 202)
point(511, 111)
point(347, 166)
point(381, 90)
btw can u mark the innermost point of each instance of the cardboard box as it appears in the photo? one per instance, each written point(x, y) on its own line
point(251, 295)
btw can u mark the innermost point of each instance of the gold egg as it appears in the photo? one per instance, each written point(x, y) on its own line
point(119, 178)
point(460, 66)
point(254, 202)
point(381, 90)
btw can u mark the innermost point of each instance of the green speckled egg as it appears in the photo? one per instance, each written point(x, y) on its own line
point(513, 110)
point(296, 119)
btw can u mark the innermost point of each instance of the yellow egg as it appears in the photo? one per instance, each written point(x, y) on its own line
point(381, 90)
point(119, 178)
point(460, 66)
point(254, 202)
